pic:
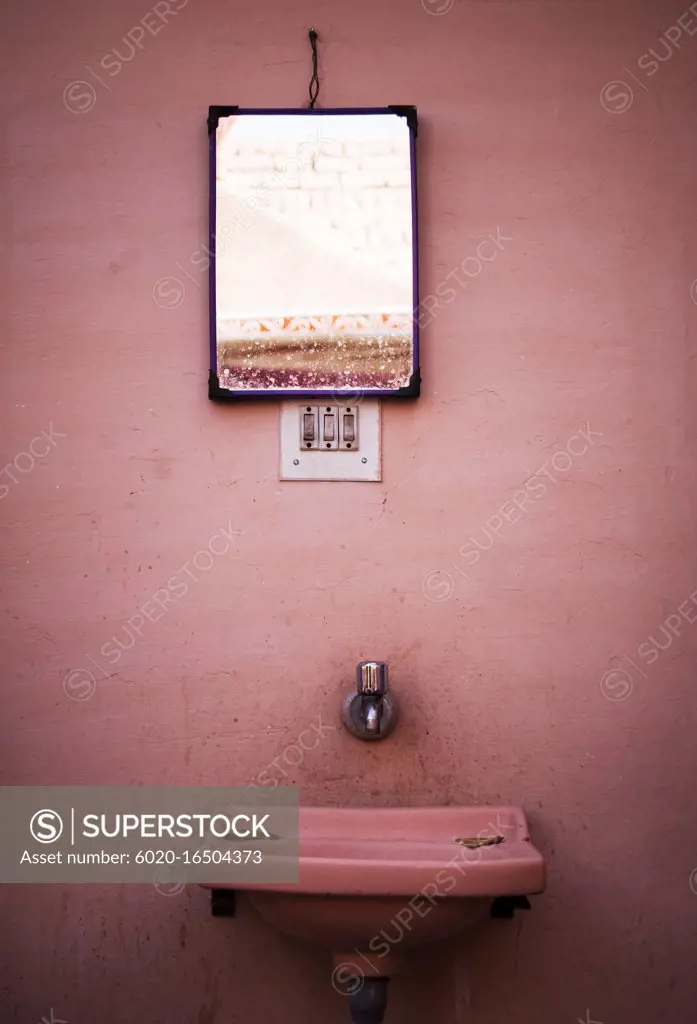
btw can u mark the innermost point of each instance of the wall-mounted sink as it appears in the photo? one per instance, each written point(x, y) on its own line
point(374, 882)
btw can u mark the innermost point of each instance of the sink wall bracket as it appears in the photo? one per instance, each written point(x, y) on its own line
point(506, 906)
point(223, 903)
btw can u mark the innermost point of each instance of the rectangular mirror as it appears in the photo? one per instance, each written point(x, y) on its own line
point(314, 285)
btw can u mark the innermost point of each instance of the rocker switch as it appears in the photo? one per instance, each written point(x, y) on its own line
point(330, 427)
point(308, 427)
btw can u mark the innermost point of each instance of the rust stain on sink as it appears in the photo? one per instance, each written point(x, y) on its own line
point(472, 844)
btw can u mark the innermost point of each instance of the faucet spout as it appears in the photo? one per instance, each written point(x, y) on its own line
point(372, 716)
point(370, 712)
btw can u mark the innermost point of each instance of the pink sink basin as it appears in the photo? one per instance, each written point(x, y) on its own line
point(376, 881)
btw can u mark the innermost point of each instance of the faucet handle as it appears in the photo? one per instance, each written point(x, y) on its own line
point(371, 677)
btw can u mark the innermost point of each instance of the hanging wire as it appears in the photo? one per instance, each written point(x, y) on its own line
point(314, 81)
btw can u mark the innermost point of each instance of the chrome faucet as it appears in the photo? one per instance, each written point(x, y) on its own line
point(370, 713)
point(371, 684)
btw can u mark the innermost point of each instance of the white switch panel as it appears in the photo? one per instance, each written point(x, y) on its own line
point(306, 458)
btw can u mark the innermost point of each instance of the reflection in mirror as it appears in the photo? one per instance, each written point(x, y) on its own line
point(314, 245)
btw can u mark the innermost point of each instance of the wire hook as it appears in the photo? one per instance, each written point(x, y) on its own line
point(314, 81)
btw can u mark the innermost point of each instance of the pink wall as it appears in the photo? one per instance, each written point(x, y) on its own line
point(584, 317)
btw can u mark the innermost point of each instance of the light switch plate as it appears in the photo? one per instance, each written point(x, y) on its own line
point(303, 464)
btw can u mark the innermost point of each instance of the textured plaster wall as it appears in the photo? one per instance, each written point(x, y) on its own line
point(576, 314)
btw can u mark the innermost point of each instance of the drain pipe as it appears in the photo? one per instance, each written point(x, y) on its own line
point(369, 1002)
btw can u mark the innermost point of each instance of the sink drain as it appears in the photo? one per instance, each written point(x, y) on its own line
point(472, 844)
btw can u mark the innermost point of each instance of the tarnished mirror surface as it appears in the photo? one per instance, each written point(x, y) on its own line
point(313, 245)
